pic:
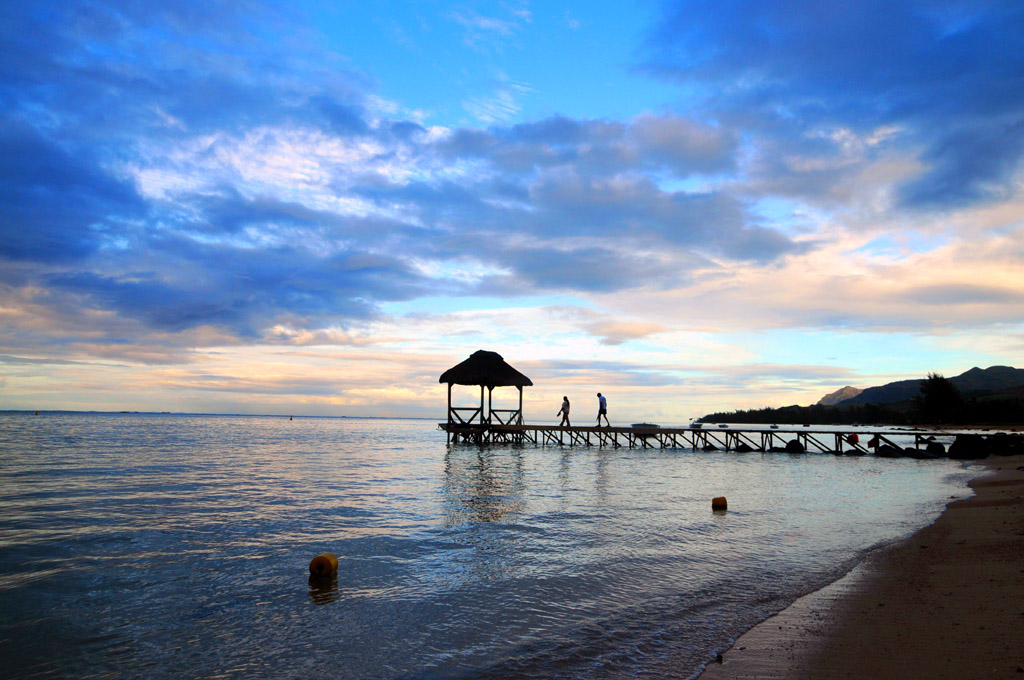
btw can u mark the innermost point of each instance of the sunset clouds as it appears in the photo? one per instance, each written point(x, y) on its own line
point(319, 209)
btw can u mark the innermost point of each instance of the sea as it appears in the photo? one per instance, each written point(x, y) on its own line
point(170, 546)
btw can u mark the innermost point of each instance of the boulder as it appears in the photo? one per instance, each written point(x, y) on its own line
point(794, 446)
point(888, 451)
point(743, 448)
point(1004, 444)
point(969, 447)
point(936, 449)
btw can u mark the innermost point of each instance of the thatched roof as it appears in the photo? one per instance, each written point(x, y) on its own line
point(484, 368)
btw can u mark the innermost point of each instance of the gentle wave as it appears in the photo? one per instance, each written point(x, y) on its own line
point(178, 545)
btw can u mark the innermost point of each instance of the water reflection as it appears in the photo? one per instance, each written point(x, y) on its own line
point(481, 485)
point(323, 589)
point(500, 562)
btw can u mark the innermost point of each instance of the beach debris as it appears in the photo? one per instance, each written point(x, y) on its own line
point(719, 503)
point(323, 564)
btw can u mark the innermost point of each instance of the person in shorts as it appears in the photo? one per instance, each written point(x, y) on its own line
point(602, 410)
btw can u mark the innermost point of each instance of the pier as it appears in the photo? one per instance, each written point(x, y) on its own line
point(483, 424)
point(711, 438)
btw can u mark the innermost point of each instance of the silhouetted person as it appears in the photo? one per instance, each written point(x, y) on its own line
point(602, 410)
point(564, 412)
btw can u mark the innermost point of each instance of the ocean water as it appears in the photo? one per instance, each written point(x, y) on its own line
point(167, 546)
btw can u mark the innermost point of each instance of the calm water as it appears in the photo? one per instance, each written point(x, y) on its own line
point(177, 546)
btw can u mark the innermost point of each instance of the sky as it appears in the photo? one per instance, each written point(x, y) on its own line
point(316, 208)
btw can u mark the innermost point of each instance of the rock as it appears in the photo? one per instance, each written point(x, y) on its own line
point(743, 448)
point(1004, 444)
point(888, 451)
point(936, 449)
point(969, 447)
point(794, 446)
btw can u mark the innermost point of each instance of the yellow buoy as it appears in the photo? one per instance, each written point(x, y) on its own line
point(719, 503)
point(324, 564)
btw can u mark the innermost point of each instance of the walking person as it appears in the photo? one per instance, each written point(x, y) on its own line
point(602, 410)
point(564, 412)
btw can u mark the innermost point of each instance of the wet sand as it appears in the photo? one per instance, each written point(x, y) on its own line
point(946, 603)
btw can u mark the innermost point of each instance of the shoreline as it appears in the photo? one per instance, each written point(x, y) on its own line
point(943, 603)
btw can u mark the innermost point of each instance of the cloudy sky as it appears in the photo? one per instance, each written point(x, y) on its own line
point(318, 207)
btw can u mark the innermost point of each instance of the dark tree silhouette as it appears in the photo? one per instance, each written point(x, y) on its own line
point(939, 400)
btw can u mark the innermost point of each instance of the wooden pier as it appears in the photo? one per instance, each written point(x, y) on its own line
point(789, 439)
point(482, 424)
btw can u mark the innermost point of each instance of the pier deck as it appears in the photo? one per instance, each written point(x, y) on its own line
point(810, 440)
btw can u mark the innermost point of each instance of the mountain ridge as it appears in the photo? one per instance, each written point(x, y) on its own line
point(842, 394)
point(973, 380)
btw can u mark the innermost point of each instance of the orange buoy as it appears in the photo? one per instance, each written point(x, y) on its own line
point(719, 503)
point(324, 564)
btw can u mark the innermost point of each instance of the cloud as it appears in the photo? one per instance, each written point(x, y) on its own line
point(55, 205)
point(619, 332)
point(501, 105)
point(947, 73)
point(488, 33)
point(170, 186)
point(965, 294)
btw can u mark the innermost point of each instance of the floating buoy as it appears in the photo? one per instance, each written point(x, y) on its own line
point(323, 564)
point(719, 503)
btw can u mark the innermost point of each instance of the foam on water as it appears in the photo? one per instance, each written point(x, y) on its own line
point(177, 546)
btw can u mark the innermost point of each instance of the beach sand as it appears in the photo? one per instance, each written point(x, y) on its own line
point(946, 603)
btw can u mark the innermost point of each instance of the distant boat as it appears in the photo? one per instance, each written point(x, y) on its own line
point(696, 426)
point(648, 425)
point(775, 427)
point(723, 425)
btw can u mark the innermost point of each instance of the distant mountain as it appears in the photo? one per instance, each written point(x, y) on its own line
point(842, 394)
point(974, 380)
point(992, 378)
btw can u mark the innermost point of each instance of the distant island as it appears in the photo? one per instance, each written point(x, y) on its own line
point(990, 396)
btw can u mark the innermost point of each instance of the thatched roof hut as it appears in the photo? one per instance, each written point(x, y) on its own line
point(486, 369)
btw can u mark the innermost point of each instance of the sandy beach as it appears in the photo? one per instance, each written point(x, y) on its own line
point(946, 603)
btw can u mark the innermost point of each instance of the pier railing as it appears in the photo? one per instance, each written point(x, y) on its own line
point(790, 439)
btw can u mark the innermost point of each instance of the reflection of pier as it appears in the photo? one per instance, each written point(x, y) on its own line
point(818, 440)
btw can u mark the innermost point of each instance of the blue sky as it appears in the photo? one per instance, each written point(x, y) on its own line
point(319, 207)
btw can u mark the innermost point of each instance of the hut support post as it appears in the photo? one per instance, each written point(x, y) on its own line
point(483, 421)
point(450, 421)
point(519, 419)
